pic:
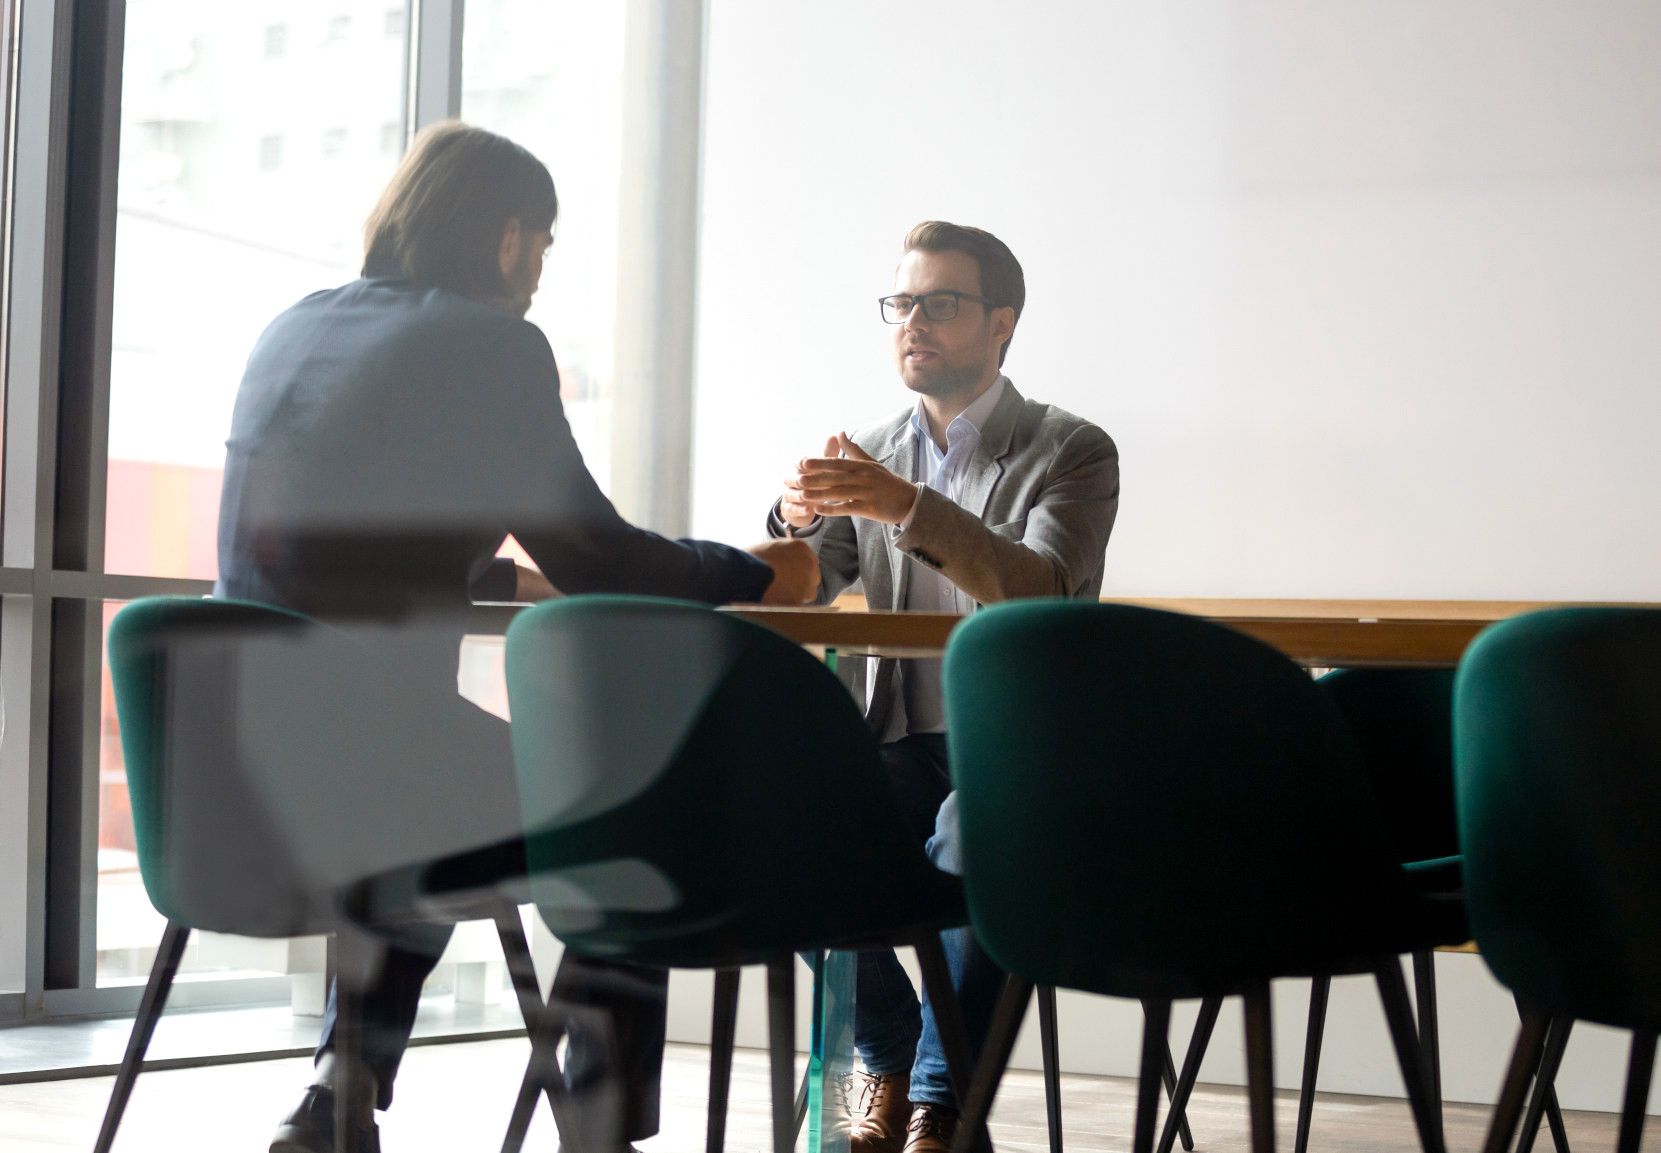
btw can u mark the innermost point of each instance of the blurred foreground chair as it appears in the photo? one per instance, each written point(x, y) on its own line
point(1557, 741)
point(699, 792)
point(207, 693)
point(1157, 807)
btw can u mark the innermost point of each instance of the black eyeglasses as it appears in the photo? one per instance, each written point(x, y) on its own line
point(935, 305)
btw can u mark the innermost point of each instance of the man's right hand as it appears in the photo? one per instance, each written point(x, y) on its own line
point(795, 571)
point(791, 509)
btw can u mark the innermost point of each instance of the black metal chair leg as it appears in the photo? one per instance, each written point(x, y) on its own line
point(1525, 1059)
point(1554, 1113)
point(1551, 1059)
point(781, 1048)
point(948, 1020)
point(1554, 1119)
point(1319, 989)
point(722, 1033)
point(1169, 1076)
point(542, 1076)
point(1156, 1030)
point(1197, 1044)
point(1639, 1068)
point(516, 952)
point(1430, 1034)
point(1398, 1014)
point(1000, 1043)
point(162, 971)
point(1260, 1068)
point(1050, 1043)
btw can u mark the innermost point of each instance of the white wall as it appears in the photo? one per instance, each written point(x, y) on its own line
point(1368, 293)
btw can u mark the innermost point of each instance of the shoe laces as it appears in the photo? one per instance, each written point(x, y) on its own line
point(871, 1092)
point(927, 1122)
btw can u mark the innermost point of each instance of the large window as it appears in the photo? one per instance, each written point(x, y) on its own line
point(254, 138)
point(181, 171)
point(550, 76)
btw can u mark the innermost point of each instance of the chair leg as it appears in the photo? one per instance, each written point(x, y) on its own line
point(542, 1076)
point(1545, 1080)
point(1554, 1113)
point(1260, 1068)
point(1639, 1067)
point(1398, 1014)
point(781, 1045)
point(722, 1032)
point(1430, 1034)
point(1206, 1022)
point(1156, 1029)
point(1000, 1043)
point(1050, 1042)
point(948, 1019)
point(516, 952)
point(1319, 988)
point(1525, 1059)
point(162, 971)
point(1169, 1076)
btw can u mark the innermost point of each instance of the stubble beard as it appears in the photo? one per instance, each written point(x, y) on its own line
point(950, 382)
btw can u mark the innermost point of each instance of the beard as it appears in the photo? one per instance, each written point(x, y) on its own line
point(941, 379)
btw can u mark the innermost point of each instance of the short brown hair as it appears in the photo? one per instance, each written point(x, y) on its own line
point(1001, 279)
point(441, 218)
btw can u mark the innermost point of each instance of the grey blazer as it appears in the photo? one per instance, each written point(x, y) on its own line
point(1038, 506)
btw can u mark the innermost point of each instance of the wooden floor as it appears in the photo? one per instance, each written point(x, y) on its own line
point(457, 1097)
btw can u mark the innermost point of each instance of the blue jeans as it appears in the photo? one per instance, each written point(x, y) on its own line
point(892, 1032)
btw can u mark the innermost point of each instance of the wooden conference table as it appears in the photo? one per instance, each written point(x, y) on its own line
point(1315, 633)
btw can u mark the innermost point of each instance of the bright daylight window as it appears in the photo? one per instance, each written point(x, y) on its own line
point(550, 77)
point(254, 139)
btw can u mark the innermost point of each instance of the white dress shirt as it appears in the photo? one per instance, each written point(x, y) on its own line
point(926, 589)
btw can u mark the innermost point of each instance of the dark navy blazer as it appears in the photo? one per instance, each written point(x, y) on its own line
point(387, 436)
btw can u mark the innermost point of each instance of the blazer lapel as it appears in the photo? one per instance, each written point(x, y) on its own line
point(901, 460)
point(986, 464)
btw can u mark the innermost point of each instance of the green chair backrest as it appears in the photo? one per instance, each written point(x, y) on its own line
point(1557, 739)
point(209, 853)
point(1402, 724)
point(693, 785)
point(1154, 805)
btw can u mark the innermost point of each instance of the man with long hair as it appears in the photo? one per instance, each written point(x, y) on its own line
point(388, 435)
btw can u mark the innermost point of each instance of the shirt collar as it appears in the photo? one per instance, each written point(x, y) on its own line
point(970, 420)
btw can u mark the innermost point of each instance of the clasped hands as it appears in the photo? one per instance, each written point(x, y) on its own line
point(846, 481)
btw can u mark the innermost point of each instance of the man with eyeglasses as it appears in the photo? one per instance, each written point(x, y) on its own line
point(971, 496)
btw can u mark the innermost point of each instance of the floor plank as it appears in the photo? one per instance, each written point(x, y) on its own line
point(457, 1097)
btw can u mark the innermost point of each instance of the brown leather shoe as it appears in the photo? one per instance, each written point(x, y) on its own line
point(879, 1109)
point(931, 1130)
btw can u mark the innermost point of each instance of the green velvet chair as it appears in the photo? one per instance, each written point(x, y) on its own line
point(195, 681)
point(1402, 722)
point(699, 792)
point(1557, 751)
point(1157, 807)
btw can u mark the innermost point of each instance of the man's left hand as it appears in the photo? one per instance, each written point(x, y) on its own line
point(855, 484)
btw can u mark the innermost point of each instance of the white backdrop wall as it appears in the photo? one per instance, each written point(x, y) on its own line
point(1369, 293)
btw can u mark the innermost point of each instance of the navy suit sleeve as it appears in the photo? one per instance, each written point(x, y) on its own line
point(570, 528)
